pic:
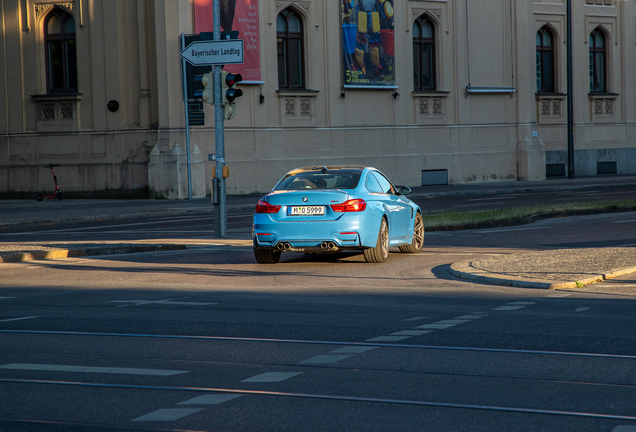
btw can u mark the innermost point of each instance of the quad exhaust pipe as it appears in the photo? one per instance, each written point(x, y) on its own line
point(324, 246)
point(283, 246)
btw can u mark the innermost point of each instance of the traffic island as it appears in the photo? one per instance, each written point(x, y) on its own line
point(555, 269)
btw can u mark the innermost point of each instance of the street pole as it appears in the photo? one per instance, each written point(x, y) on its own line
point(187, 115)
point(570, 93)
point(220, 210)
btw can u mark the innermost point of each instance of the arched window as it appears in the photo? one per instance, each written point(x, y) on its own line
point(423, 54)
point(289, 34)
point(545, 61)
point(61, 58)
point(598, 81)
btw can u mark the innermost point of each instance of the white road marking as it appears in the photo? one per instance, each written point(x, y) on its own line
point(435, 326)
point(3, 298)
point(492, 198)
point(212, 399)
point(272, 377)
point(582, 309)
point(353, 350)
point(91, 369)
point(625, 221)
point(470, 317)
point(411, 332)
point(167, 301)
point(624, 429)
point(18, 319)
point(387, 339)
point(453, 321)
point(168, 414)
point(559, 295)
point(511, 229)
point(415, 318)
point(325, 359)
point(514, 306)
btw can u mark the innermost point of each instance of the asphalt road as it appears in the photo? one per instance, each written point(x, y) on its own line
point(205, 339)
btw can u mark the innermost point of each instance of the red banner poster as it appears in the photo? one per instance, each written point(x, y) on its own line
point(236, 15)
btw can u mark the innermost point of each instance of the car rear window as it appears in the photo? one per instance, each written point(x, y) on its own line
point(341, 179)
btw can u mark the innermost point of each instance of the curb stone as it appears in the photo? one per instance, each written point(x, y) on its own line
point(92, 251)
point(465, 270)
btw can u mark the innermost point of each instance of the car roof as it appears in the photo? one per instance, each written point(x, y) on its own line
point(329, 168)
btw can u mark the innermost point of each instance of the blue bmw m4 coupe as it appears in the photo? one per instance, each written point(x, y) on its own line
point(328, 209)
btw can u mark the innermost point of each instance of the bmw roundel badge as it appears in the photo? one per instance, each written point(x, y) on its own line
point(305, 199)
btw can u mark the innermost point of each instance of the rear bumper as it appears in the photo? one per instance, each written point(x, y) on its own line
point(346, 232)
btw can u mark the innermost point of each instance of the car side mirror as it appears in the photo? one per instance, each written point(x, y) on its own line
point(403, 190)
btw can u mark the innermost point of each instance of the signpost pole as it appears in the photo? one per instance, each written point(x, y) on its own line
point(571, 173)
point(220, 210)
point(187, 114)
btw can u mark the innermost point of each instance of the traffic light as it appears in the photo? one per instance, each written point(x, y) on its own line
point(230, 93)
point(207, 92)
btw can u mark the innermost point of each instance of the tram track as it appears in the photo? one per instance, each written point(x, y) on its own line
point(318, 342)
point(328, 397)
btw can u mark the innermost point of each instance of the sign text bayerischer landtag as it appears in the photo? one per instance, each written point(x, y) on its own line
point(214, 52)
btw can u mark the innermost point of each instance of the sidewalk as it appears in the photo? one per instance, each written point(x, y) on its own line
point(556, 269)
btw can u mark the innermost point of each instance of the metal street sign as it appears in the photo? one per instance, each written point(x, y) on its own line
point(214, 52)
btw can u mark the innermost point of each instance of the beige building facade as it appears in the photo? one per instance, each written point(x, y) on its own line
point(493, 108)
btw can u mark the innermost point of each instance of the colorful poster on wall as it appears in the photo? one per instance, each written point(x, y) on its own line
point(236, 15)
point(368, 43)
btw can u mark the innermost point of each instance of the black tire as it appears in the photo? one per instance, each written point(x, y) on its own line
point(39, 197)
point(58, 196)
point(266, 256)
point(380, 252)
point(418, 237)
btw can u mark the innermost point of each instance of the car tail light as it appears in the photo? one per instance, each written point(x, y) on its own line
point(265, 207)
point(354, 205)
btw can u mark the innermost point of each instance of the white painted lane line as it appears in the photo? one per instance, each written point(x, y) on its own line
point(470, 317)
point(625, 221)
point(519, 303)
point(511, 229)
point(435, 326)
point(90, 369)
point(415, 318)
point(508, 308)
point(453, 321)
point(387, 339)
point(272, 377)
point(325, 359)
point(18, 319)
point(167, 301)
point(353, 350)
point(582, 309)
point(167, 414)
point(3, 298)
point(411, 332)
point(212, 399)
point(490, 199)
point(624, 429)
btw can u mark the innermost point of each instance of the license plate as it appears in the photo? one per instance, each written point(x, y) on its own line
point(306, 210)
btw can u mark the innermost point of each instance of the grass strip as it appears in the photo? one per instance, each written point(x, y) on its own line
point(452, 220)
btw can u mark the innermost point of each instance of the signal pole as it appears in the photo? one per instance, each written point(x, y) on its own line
point(570, 93)
point(220, 210)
